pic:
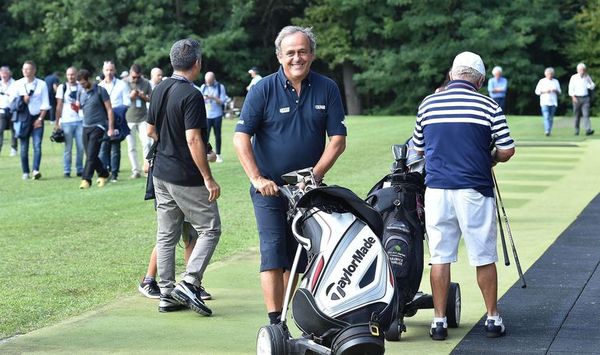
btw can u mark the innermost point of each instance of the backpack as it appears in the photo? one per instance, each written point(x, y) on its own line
point(218, 93)
point(120, 125)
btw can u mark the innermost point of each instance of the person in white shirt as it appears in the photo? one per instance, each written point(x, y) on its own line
point(580, 86)
point(139, 94)
point(255, 77)
point(70, 121)
point(548, 90)
point(6, 82)
point(35, 94)
point(118, 90)
point(156, 76)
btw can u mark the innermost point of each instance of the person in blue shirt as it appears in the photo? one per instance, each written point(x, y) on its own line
point(454, 130)
point(497, 87)
point(215, 97)
point(283, 126)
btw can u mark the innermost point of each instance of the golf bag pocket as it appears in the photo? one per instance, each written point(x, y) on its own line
point(362, 338)
point(396, 242)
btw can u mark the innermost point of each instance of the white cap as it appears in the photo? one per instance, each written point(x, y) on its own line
point(124, 74)
point(471, 60)
point(497, 69)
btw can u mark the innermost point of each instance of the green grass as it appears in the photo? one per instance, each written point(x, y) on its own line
point(64, 251)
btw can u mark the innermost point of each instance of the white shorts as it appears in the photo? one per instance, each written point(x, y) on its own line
point(450, 213)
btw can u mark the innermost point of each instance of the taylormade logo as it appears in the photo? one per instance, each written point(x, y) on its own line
point(346, 279)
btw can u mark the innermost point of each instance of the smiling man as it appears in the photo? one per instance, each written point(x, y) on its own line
point(283, 127)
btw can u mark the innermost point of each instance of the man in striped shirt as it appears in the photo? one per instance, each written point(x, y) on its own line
point(455, 130)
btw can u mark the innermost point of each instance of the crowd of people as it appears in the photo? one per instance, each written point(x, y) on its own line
point(456, 129)
point(62, 104)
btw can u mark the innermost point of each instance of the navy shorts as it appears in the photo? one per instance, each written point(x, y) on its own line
point(277, 243)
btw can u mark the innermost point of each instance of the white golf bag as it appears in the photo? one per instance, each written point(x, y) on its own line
point(347, 295)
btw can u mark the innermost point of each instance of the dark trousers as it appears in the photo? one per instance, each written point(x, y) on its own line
point(216, 122)
point(581, 109)
point(92, 137)
point(110, 155)
point(6, 123)
point(501, 101)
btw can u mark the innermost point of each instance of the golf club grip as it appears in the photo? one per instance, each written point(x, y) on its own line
point(502, 238)
point(510, 238)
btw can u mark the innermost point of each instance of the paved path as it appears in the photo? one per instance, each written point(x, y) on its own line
point(559, 310)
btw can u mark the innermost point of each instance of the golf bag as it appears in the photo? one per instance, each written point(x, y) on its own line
point(347, 297)
point(398, 197)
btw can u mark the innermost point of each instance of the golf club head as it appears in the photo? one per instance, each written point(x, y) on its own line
point(399, 151)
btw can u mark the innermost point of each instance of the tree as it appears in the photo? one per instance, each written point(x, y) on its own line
point(585, 47)
point(402, 49)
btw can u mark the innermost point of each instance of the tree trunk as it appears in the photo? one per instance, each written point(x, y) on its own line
point(352, 99)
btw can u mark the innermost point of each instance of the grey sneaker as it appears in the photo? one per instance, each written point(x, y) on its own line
point(149, 289)
point(168, 304)
point(189, 295)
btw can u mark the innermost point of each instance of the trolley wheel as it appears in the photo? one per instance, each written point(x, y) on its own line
point(394, 332)
point(453, 305)
point(271, 340)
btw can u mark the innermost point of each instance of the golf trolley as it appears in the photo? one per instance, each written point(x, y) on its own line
point(346, 297)
point(398, 197)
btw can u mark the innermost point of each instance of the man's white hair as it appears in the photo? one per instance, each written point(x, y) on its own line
point(466, 73)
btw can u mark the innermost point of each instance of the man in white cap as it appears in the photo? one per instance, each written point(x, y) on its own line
point(455, 130)
point(580, 87)
point(497, 87)
point(255, 77)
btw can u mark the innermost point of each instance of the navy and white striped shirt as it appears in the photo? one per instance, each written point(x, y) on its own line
point(456, 128)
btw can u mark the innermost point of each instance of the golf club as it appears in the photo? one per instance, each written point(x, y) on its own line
point(512, 243)
point(502, 237)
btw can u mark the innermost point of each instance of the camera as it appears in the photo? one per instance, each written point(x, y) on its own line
point(30, 93)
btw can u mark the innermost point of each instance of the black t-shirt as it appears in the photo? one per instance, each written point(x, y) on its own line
point(183, 110)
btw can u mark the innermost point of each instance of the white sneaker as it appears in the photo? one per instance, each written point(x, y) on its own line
point(219, 159)
point(25, 176)
point(13, 152)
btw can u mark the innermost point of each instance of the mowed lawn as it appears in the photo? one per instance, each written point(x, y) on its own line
point(64, 251)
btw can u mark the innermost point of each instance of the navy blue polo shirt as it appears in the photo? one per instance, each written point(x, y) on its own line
point(289, 132)
point(456, 128)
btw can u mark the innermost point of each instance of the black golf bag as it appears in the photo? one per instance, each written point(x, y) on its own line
point(399, 198)
point(347, 296)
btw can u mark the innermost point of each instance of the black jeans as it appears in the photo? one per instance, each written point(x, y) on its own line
point(4, 123)
point(216, 123)
point(91, 141)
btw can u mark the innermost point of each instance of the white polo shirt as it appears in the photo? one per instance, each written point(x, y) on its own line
point(118, 91)
point(39, 100)
point(542, 88)
point(578, 85)
point(4, 94)
point(68, 114)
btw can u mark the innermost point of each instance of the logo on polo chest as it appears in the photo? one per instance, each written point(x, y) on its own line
point(284, 110)
point(319, 107)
